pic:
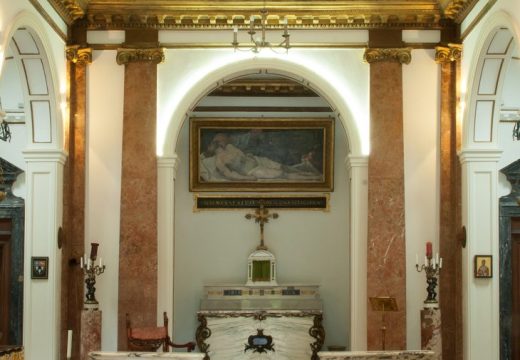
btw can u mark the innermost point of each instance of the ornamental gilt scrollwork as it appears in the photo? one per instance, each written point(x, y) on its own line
point(78, 55)
point(447, 54)
point(317, 332)
point(154, 55)
point(400, 55)
point(202, 333)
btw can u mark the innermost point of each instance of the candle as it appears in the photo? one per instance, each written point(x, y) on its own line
point(100, 262)
point(437, 257)
point(426, 261)
point(440, 264)
point(81, 262)
point(93, 250)
point(429, 250)
point(416, 259)
point(69, 344)
point(235, 34)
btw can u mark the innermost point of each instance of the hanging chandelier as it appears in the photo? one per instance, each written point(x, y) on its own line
point(260, 42)
point(5, 132)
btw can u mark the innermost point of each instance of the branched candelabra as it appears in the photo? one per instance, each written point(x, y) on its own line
point(432, 267)
point(91, 270)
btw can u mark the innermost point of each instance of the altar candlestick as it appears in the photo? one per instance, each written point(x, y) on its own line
point(93, 250)
point(429, 250)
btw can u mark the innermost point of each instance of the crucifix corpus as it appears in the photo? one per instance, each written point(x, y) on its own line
point(261, 216)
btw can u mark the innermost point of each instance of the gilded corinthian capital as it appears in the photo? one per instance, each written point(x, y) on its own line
point(154, 55)
point(449, 53)
point(400, 55)
point(78, 55)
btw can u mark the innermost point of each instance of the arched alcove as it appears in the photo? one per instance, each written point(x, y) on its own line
point(485, 149)
point(213, 246)
point(29, 88)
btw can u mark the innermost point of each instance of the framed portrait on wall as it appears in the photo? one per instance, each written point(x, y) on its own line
point(483, 266)
point(39, 267)
point(261, 154)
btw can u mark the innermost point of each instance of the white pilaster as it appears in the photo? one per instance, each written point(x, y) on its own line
point(480, 216)
point(358, 171)
point(166, 171)
point(43, 217)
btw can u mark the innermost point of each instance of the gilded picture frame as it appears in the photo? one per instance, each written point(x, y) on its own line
point(261, 154)
point(483, 266)
point(39, 267)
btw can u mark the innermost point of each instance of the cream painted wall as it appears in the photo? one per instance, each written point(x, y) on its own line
point(421, 168)
point(103, 184)
point(311, 247)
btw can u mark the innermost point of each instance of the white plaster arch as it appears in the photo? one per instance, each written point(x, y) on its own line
point(351, 111)
point(44, 161)
point(357, 139)
point(25, 19)
point(497, 21)
point(479, 158)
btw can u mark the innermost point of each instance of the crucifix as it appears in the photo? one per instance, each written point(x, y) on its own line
point(261, 216)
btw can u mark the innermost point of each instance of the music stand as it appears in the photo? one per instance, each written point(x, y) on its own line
point(384, 304)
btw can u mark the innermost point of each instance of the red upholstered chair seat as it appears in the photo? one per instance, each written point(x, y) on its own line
point(151, 338)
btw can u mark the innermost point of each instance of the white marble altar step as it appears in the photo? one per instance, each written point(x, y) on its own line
point(378, 355)
point(102, 355)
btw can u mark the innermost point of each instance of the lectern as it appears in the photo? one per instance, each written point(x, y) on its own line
point(384, 304)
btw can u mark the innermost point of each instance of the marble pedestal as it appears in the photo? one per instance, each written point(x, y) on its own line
point(90, 332)
point(431, 336)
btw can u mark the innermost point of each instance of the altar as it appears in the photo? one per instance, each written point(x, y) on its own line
point(260, 320)
point(248, 322)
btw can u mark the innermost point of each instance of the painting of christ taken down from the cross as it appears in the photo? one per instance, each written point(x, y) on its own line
point(261, 154)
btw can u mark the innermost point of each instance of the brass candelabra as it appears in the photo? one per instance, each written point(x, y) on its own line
point(432, 267)
point(91, 270)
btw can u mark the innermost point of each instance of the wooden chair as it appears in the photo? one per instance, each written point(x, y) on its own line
point(151, 338)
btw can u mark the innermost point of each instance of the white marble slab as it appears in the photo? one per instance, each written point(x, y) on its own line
point(377, 355)
point(229, 337)
point(102, 355)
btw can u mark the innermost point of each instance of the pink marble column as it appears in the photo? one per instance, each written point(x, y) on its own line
point(90, 332)
point(138, 235)
point(450, 219)
point(72, 288)
point(431, 334)
point(386, 273)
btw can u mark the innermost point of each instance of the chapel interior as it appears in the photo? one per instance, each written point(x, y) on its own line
point(260, 179)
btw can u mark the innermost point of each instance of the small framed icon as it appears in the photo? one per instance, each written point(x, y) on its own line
point(483, 266)
point(39, 267)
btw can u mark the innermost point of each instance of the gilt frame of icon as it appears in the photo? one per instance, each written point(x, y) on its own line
point(39, 267)
point(279, 154)
point(483, 266)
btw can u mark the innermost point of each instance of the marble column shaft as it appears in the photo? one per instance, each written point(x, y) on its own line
point(450, 221)
point(90, 333)
point(74, 198)
point(386, 228)
point(138, 235)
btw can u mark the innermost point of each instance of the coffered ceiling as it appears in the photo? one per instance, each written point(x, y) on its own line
point(212, 14)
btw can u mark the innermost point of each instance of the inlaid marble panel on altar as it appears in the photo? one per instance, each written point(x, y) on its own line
point(264, 322)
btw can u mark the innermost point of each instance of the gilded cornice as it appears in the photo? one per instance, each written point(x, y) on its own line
point(208, 14)
point(70, 10)
point(126, 55)
point(458, 9)
point(447, 54)
point(400, 55)
point(78, 55)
